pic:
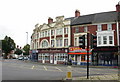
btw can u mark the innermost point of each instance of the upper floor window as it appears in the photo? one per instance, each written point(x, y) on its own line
point(45, 33)
point(42, 34)
point(75, 42)
point(52, 43)
point(44, 44)
point(59, 31)
point(104, 39)
point(59, 42)
point(48, 32)
point(109, 26)
point(85, 29)
point(76, 29)
point(66, 30)
point(66, 42)
point(110, 39)
point(37, 35)
point(99, 27)
point(99, 40)
point(52, 32)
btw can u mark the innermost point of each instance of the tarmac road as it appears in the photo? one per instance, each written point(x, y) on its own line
point(21, 70)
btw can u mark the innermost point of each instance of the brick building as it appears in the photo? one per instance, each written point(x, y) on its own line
point(58, 40)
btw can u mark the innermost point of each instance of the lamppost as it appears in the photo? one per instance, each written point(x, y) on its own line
point(27, 38)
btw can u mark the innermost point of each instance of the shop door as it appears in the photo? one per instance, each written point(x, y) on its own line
point(55, 59)
point(51, 58)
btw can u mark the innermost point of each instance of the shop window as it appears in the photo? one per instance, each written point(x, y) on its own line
point(40, 57)
point(47, 57)
point(82, 57)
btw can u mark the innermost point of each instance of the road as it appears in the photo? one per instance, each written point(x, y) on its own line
point(21, 70)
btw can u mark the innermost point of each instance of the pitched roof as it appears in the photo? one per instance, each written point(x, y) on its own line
point(95, 18)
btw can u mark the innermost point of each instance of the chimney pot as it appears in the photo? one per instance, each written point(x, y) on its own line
point(50, 20)
point(77, 13)
point(118, 7)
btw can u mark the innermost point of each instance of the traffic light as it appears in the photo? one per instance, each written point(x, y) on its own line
point(82, 41)
point(93, 41)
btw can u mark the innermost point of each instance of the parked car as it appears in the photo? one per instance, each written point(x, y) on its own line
point(25, 58)
point(21, 58)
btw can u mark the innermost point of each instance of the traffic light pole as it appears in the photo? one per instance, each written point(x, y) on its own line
point(87, 55)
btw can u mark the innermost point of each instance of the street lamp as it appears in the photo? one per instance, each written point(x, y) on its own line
point(27, 38)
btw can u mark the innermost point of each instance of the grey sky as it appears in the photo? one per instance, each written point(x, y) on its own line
point(19, 16)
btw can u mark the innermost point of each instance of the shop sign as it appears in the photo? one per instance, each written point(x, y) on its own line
point(77, 49)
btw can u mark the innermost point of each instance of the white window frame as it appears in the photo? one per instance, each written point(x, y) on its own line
point(104, 40)
point(99, 27)
point(99, 40)
point(85, 29)
point(109, 26)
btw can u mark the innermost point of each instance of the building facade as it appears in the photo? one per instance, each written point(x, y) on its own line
point(51, 41)
point(58, 40)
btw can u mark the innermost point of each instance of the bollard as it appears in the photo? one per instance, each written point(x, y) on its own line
point(69, 73)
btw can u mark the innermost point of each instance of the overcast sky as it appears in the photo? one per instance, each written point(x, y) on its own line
point(20, 16)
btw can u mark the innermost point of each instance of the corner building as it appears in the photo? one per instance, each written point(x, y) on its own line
point(51, 41)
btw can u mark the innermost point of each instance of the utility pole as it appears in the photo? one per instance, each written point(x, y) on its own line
point(87, 55)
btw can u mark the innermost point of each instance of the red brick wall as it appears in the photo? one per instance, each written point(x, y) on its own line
point(48, 38)
point(92, 29)
point(115, 33)
point(60, 62)
point(104, 27)
point(66, 35)
point(47, 61)
point(40, 61)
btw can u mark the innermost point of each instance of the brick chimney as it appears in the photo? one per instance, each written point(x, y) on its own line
point(118, 7)
point(50, 20)
point(77, 13)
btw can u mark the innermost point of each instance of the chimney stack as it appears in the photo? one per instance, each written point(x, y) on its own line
point(118, 7)
point(77, 13)
point(50, 20)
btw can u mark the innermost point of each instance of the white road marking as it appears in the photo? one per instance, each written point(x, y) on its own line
point(58, 69)
point(45, 68)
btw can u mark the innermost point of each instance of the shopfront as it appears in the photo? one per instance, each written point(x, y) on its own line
point(79, 56)
point(34, 55)
point(106, 56)
point(54, 56)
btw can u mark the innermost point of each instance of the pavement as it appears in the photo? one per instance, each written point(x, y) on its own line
point(98, 77)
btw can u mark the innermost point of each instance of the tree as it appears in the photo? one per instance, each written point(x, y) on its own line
point(8, 45)
point(18, 51)
point(26, 49)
